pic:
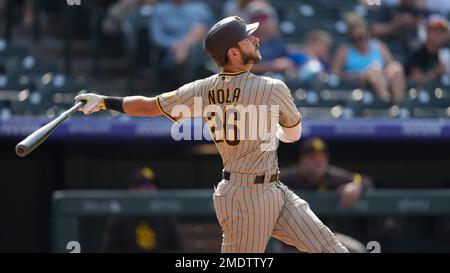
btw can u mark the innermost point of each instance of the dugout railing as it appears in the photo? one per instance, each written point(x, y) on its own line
point(69, 206)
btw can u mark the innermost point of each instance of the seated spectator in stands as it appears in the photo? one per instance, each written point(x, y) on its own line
point(141, 234)
point(438, 6)
point(236, 7)
point(178, 27)
point(372, 4)
point(274, 52)
point(424, 65)
point(314, 58)
point(369, 61)
point(51, 22)
point(314, 172)
point(112, 23)
point(401, 21)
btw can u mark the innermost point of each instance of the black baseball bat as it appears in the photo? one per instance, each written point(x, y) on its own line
point(31, 142)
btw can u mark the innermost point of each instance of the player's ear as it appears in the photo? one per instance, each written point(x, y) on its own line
point(233, 53)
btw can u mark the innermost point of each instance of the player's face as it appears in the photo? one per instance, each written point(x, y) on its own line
point(316, 163)
point(249, 50)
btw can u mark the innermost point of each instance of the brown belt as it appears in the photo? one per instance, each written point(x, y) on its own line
point(259, 179)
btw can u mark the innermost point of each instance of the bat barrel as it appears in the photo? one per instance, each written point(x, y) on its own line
point(31, 142)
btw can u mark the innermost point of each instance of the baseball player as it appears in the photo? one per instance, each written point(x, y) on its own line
point(251, 204)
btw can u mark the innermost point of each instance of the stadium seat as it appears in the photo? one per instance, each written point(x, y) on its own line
point(428, 104)
point(8, 50)
point(34, 103)
point(318, 104)
point(27, 65)
point(39, 93)
point(11, 89)
point(364, 103)
point(51, 83)
point(14, 83)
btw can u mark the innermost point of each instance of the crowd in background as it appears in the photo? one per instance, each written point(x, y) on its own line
point(176, 29)
point(386, 49)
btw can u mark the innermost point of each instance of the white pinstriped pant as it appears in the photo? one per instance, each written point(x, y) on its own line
point(250, 214)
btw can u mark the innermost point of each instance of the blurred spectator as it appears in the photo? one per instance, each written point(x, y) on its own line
point(424, 64)
point(274, 52)
point(438, 6)
point(141, 234)
point(26, 7)
point(374, 4)
point(314, 58)
point(369, 61)
point(236, 7)
point(50, 12)
point(314, 173)
point(401, 21)
point(28, 13)
point(111, 24)
point(178, 28)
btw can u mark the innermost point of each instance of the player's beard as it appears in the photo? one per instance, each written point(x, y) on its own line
point(250, 58)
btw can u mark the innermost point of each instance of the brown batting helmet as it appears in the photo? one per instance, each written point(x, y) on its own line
point(225, 34)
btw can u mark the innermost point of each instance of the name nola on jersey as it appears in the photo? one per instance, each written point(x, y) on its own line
point(225, 120)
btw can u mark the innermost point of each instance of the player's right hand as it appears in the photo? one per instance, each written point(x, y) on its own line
point(93, 103)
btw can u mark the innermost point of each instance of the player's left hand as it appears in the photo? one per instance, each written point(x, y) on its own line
point(349, 194)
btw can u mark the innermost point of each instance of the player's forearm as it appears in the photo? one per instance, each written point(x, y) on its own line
point(289, 135)
point(140, 106)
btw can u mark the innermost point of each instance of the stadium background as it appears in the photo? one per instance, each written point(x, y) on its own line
point(33, 57)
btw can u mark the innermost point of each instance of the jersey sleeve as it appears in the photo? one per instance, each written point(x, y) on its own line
point(289, 114)
point(179, 104)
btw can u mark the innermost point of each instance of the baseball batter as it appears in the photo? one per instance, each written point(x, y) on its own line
point(251, 204)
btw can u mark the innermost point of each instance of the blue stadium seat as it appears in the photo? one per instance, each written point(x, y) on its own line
point(318, 104)
point(364, 103)
point(428, 104)
point(8, 50)
point(27, 65)
point(32, 104)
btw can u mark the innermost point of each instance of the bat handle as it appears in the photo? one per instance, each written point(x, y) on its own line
point(74, 108)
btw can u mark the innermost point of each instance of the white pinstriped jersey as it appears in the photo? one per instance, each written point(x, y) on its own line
point(240, 153)
point(249, 212)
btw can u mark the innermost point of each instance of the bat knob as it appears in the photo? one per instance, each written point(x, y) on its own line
point(20, 150)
